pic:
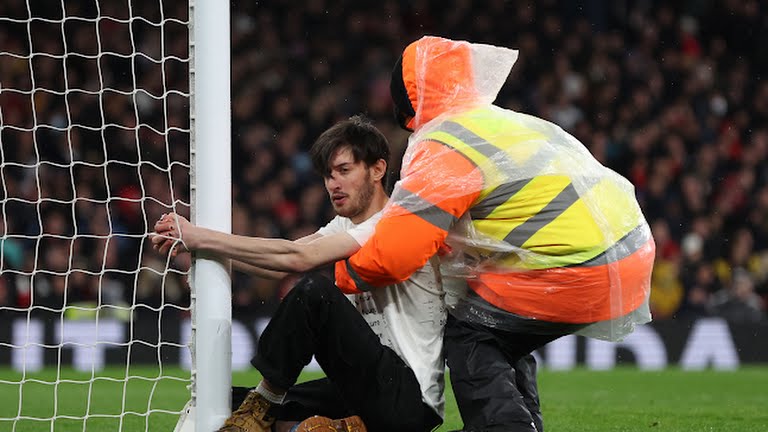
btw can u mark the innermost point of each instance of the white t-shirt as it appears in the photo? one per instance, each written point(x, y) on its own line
point(408, 317)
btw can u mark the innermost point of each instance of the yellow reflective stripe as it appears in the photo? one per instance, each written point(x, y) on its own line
point(617, 207)
point(498, 228)
point(535, 195)
point(497, 197)
point(532, 198)
point(572, 230)
point(536, 224)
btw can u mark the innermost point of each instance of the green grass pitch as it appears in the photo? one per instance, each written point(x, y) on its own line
point(620, 400)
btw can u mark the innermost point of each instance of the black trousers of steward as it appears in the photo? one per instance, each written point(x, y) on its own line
point(493, 373)
point(363, 377)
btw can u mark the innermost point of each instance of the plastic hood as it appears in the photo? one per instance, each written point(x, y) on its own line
point(445, 76)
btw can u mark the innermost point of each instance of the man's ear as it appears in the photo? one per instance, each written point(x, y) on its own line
point(379, 169)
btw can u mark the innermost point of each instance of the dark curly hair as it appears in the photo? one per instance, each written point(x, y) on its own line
point(366, 142)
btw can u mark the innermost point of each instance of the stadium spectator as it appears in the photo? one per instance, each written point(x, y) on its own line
point(738, 302)
point(381, 351)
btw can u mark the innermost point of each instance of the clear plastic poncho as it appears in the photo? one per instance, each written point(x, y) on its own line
point(601, 255)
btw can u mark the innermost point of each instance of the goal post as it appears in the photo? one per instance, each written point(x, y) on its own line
point(111, 114)
point(210, 121)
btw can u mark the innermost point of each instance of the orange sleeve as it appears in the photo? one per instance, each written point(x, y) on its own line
point(438, 188)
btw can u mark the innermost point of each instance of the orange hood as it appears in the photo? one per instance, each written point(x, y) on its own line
point(443, 76)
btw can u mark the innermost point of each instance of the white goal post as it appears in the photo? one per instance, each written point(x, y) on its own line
point(211, 200)
point(111, 114)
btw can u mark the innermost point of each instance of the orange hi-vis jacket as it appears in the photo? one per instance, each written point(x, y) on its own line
point(536, 225)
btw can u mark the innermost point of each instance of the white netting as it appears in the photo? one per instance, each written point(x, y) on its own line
point(94, 146)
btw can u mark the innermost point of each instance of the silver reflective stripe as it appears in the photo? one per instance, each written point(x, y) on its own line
point(497, 197)
point(361, 284)
point(521, 233)
point(471, 139)
point(424, 209)
point(623, 248)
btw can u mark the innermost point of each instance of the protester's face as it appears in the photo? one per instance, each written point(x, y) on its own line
point(350, 184)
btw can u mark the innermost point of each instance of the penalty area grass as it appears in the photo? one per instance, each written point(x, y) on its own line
point(619, 400)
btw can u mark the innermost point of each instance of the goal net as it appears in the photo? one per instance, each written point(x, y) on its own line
point(94, 147)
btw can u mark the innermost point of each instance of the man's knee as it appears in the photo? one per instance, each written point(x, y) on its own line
point(313, 288)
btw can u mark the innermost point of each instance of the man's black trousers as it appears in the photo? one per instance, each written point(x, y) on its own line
point(364, 377)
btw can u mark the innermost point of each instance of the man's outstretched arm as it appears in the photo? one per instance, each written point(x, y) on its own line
point(265, 253)
point(242, 267)
point(257, 271)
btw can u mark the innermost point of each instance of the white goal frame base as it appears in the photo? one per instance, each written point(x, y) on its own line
point(186, 421)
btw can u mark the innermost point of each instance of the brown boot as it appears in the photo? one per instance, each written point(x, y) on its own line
point(324, 424)
point(252, 416)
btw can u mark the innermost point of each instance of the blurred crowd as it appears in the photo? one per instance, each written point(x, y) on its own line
point(672, 95)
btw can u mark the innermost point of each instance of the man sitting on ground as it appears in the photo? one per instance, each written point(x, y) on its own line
point(381, 351)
